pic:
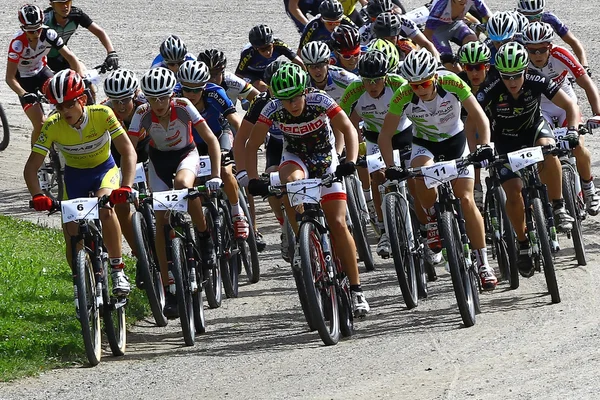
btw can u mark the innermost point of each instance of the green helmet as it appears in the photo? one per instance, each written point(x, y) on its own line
point(511, 57)
point(389, 49)
point(474, 53)
point(288, 82)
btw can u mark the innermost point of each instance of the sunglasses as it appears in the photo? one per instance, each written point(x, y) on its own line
point(192, 90)
point(30, 29)
point(155, 100)
point(350, 56)
point(512, 77)
point(317, 66)
point(425, 85)
point(121, 102)
point(332, 22)
point(533, 17)
point(475, 67)
point(372, 81)
point(266, 47)
point(538, 50)
point(67, 105)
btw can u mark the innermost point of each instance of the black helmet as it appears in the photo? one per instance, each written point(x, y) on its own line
point(271, 69)
point(331, 9)
point(373, 64)
point(345, 37)
point(387, 24)
point(376, 7)
point(213, 58)
point(260, 35)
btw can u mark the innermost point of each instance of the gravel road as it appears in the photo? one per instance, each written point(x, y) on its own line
point(258, 346)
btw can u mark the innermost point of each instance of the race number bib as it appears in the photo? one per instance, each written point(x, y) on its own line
point(525, 157)
point(78, 209)
point(274, 179)
point(304, 191)
point(205, 168)
point(170, 200)
point(561, 142)
point(438, 173)
point(397, 159)
point(375, 162)
point(418, 15)
point(140, 173)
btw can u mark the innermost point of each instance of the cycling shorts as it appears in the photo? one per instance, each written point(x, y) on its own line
point(34, 83)
point(449, 149)
point(274, 148)
point(141, 150)
point(252, 76)
point(80, 182)
point(164, 165)
point(456, 32)
point(337, 191)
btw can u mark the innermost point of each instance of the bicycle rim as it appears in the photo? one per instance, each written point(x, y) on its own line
point(183, 292)
point(89, 314)
point(213, 287)
point(345, 307)
point(359, 231)
point(571, 203)
point(509, 238)
point(547, 258)
point(229, 258)
point(320, 292)
point(5, 129)
point(252, 263)
point(113, 316)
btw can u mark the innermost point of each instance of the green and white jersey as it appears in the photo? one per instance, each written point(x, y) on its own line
point(438, 119)
point(371, 110)
point(338, 80)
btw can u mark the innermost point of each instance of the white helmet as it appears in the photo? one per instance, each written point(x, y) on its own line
point(195, 72)
point(158, 82)
point(121, 84)
point(315, 53)
point(538, 32)
point(173, 49)
point(418, 65)
point(531, 6)
point(502, 26)
point(522, 20)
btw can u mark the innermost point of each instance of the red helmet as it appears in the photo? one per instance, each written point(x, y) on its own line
point(64, 86)
point(345, 38)
point(31, 16)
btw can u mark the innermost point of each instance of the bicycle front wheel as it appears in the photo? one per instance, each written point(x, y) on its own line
point(231, 257)
point(508, 237)
point(461, 280)
point(249, 250)
point(572, 203)
point(89, 314)
point(113, 315)
point(544, 240)
point(396, 223)
point(359, 224)
point(213, 283)
point(5, 129)
point(184, 294)
point(320, 291)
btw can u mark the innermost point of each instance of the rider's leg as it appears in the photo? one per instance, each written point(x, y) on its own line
point(37, 118)
point(125, 217)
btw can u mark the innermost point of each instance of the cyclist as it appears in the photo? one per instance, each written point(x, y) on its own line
point(368, 100)
point(533, 10)
point(306, 118)
point(390, 50)
point(298, 10)
point(372, 11)
point(124, 96)
point(273, 148)
point(174, 159)
point(173, 53)
point(235, 87)
point(446, 24)
point(432, 100)
point(501, 28)
point(513, 105)
point(26, 69)
point(262, 49)
point(559, 64)
point(65, 19)
point(332, 80)
point(220, 115)
point(331, 14)
point(346, 48)
point(83, 135)
point(474, 58)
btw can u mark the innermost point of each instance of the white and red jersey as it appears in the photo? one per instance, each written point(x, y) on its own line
point(561, 64)
point(31, 61)
point(178, 134)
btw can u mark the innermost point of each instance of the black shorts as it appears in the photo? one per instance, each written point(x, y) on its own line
point(58, 63)
point(274, 149)
point(252, 75)
point(449, 149)
point(34, 83)
point(400, 140)
point(141, 151)
point(165, 165)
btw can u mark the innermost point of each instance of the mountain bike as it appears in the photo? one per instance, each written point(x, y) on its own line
point(327, 286)
point(90, 265)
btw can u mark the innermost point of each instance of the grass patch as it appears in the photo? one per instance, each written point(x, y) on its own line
point(38, 328)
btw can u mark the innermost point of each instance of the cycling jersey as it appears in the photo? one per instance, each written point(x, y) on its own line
point(338, 80)
point(178, 134)
point(440, 13)
point(408, 30)
point(75, 18)
point(315, 30)
point(511, 118)
point(436, 120)
point(252, 115)
point(308, 136)
point(306, 7)
point(550, 18)
point(86, 147)
point(252, 64)
point(217, 106)
point(235, 87)
point(159, 61)
point(31, 61)
point(373, 111)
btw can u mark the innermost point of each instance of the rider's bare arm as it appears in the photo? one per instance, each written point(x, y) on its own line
point(563, 100)
point(477, 122)
point(97, 31)
point(11, 79)
point(591, 92)
point(128, 159)
point(257, 137)
point(72, 60)
point(577, 47)
point(342, 123)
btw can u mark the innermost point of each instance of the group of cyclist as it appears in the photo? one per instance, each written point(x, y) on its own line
point(371, 77)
